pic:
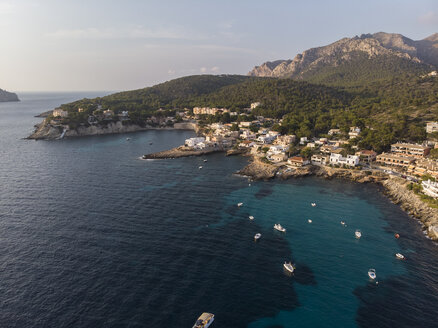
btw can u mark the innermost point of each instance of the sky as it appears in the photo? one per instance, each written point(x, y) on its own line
point(48, 45)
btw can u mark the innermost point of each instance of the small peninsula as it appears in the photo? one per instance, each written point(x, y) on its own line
point(6, 96)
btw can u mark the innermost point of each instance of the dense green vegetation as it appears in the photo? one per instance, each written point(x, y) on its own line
point(386, 111)
point(361, 70)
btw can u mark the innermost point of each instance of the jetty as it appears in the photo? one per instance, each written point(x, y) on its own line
point(182, 151)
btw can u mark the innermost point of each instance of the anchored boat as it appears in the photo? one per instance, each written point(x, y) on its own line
point(204, 321)
point(289, 267)
point(372, 273)
point(257, 236)
point(279, 227)
point(358, 234)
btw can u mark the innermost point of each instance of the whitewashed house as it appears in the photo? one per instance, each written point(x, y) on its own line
point(192, 142)
point(338, 159)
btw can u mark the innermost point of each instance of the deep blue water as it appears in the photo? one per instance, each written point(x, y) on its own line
point(92, 236)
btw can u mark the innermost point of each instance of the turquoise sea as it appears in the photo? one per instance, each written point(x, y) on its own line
point(93, 236)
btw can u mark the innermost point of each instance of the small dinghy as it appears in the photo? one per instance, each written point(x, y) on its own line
point(239, 204)
point(372, 274)
point(127, 139)
point(313, 204)
point(257, 236)
point(251, 217)
point(205, 160)
point(310, 221)
point(358, 234)
point(397, 236)
point(279, 227)
point(343, 223)
point(400, 256)
point(200, 167)
point(289, 267)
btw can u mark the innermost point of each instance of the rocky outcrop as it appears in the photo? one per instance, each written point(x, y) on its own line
point(8, 96)
point(181, 151)
point(396, 190)
point(48, 131)
point(259, 170)
point(347, 49)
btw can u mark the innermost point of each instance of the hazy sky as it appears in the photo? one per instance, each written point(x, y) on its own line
point(121, 45)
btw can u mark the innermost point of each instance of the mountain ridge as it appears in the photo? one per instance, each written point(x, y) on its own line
point(393, 49)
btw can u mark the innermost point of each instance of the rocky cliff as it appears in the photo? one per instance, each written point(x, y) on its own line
point(395, 189)
point(8, 96)
point(368, 46)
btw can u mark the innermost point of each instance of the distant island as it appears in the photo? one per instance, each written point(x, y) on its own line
point(8, 96)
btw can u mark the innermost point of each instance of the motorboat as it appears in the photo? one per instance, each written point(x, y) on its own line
point(289, 267)
point(279, 227)
point(372, 274)
point(200, 167)
point(204, 320)
point(310, 221)
point(313, 204)
point(257, 236)
point(358, 234)
point(343, 223)
point(239, 204)
point(397, 236)
point(400, 256)
point(127, 139)
point(150, 143)
point(205, 160)
point(251, 217)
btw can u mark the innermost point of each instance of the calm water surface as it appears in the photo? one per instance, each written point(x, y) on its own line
point(92, 236)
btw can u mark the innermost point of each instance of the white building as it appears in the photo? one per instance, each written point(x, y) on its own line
point(318, 159)
point(192, 142)
point(430, 188)
point(354, 132)
point(58, 112)
point(338, 159)
point(334, 131)
point(431, 127)
point(303, 140)
point(248, 135)
point(266, 139)
point(255, 105)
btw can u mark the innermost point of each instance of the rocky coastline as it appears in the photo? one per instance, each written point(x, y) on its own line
point(47, 131)
point(394, 188)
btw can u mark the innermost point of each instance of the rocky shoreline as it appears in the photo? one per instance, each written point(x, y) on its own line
point(393, 187)
point(47, 131)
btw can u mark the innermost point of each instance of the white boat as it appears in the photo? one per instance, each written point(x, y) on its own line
point(289, 267)
point(251, 217)
point(205, 160)
point(313, 204)
point(372, 274)
point(400, 256)
point(200, 167)
point(279, 227)
point(127, 139)
point(257, 236)
point(204, 321)
point(343, 223)
point(310, 221)
point(358, 234)
point(239, 204)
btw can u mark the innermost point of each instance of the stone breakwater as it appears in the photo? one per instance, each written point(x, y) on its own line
point(181, 151)
point(393, 187)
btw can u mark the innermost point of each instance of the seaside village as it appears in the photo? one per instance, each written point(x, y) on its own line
point(406, 160)
point(256, 137)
